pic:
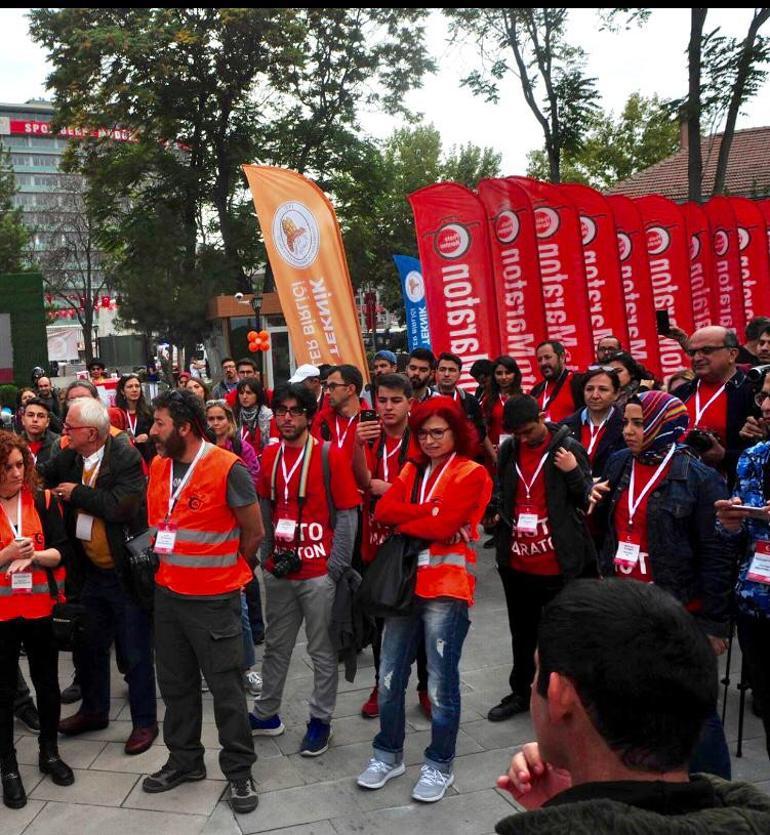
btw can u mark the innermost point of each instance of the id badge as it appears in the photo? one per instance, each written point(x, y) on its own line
point(21, 582)
point(423, 558)
point(628, 553)
point(759, 568)
point(526, 521)
point(285, 529)
point(84, 526)
point(166, 538)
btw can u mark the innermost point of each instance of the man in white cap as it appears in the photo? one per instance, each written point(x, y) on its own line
point(310, 377)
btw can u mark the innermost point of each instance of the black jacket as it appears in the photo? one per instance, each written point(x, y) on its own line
point(610, 441)
point(740, 404)
point(44, 453)
point(567, 498)
point(686, 557)
point(351, 628)
point(118, 498)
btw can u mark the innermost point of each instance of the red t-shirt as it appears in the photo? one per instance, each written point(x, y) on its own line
point(713, 417)
point(585, 438)
point(385, 467)
point(533, 553)
point(315, 544)
point(342, 430)
point(35, 447)
point(642, 569)
point(559, 407)
point(495, 427)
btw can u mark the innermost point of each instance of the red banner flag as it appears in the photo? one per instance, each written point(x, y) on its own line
point(600, 254)
point(562, 273)
point(728, 296)
point(701, 265)
point(764, 207)
point(667, 255)
point(643, 340)
point(753, 254)
point(451, 228)
point(513, 247)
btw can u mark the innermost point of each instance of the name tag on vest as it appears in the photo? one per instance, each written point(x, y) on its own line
point(628, 553)
point(21, 582)
point(759, 569)
point(166, 538)
point(84, 527)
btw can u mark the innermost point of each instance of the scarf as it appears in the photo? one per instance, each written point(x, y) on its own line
point(248, 416)
point(665, 420)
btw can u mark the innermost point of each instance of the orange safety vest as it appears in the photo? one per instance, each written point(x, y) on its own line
point(449, 568)
point(205, 560)
point(38, 603)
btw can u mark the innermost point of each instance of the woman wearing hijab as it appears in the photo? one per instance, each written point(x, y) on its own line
point(659, 523)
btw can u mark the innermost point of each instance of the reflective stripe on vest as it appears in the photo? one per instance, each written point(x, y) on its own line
point(195, 561)
point(457, 560)
point(203, 537)
point(37, 588)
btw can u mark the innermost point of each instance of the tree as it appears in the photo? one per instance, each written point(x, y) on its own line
point(644, 133)
point(13, 233)
point(551, 71)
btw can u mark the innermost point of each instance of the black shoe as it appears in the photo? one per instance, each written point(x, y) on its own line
point(509, 706)
point(51, 763)
point(14, 795)
point(169, 778)
point(243, 795)
point(27, 715)
point(259, 638)
point(71, 694)
point(489, 543)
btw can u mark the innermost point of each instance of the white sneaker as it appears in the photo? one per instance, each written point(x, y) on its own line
point(432, 784)
point(252, 681)
point(378, 773)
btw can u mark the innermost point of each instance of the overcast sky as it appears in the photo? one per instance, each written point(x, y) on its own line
point(649, 60)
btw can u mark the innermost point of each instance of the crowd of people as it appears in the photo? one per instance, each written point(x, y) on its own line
point(629, 516)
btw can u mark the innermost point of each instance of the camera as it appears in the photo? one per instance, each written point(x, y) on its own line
point(286, 562)
point(757, 373)
point(699, 441)
point(239, 297)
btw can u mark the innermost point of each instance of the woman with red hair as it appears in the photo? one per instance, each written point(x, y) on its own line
point(440, 497)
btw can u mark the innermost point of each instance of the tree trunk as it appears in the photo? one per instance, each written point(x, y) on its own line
point(694, 158)
point(744, 65)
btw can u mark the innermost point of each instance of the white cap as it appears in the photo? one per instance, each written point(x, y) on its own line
point(303, 372)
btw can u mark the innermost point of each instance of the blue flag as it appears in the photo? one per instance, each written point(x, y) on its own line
point(413, 290)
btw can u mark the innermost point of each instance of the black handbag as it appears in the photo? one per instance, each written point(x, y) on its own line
point(143, 563)
point(68, 620)
point(388, 586)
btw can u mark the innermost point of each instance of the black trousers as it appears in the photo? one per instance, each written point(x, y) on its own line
point(194, 635)
point(754, 638)
point(525, 596)
point(43, 657)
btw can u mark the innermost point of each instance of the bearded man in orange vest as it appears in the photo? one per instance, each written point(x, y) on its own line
point(202, 507)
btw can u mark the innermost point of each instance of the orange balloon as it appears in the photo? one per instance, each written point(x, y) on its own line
point(264, 335)
point(252, 335)
point(265, 346)
point(253, 346)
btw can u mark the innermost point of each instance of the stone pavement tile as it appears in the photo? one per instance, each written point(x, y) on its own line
point(492, 735)
point(75, 751)
point(276, 774)
point(30, 776)
point(305, 804)
point(198, 798)
point(416, 743)
point(337, 763)
point(754, 765)
point(316, 828)
point(349, 704)
point(67, 818)
point(113, 758)
point(461, 814)
point(265, 746)
point(100, 787)
point(221, 821)
point(15, 821)
point(117, 706)
point(477, 772)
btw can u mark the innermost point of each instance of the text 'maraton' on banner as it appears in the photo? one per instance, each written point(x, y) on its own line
point(726, 280)
point(701, 265)
point(753, 254)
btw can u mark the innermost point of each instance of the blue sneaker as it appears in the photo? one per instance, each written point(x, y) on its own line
point(316, 739)
point(272, 726)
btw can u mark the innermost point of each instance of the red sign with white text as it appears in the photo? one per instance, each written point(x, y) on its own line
point(669, 262)
point(643, 342)
point(600, 254)
point(764, 207)
point(32, 127)
point(562, 273)
point(452, 240)
point(728, 296)
point(753, 255)
point(513, 247)
point(701, 265)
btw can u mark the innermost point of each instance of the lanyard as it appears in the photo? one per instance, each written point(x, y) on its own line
point(634, 505)
point(132, 423)
point(91, 480)
point(17, 527)
point(546, 398)
point(288, 476)
point(528, 487)
point(426, 476)
point(595, 432)
point(174, 497)
point(386, 456)
point(341, 437)
point(698, 411)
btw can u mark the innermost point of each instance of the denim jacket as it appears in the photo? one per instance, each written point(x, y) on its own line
point(688, 559)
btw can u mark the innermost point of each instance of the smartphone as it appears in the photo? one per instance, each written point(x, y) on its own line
point(368, 415)
point(753, 512)
point(664, 322)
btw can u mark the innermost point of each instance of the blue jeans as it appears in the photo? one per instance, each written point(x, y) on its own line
point(113, 615)
point(249, 656)
point(444, 623)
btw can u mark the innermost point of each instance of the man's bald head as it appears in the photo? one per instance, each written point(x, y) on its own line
point(713, 350)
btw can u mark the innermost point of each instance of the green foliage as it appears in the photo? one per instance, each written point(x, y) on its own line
point(8, 394)
point(614, 148)
point(13, 234)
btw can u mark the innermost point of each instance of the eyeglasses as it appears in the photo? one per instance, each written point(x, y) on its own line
point(294, 411)
point(607, 369)
point(706, 350)
point(435, 434)
point(69, 427)
point(760, 397)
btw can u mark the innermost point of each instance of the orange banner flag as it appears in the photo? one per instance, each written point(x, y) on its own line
point(304, 245)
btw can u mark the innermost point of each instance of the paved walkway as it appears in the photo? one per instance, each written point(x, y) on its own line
point(301, 796)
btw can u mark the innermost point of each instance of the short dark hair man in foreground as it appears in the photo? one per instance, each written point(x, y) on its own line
point(625, 679)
